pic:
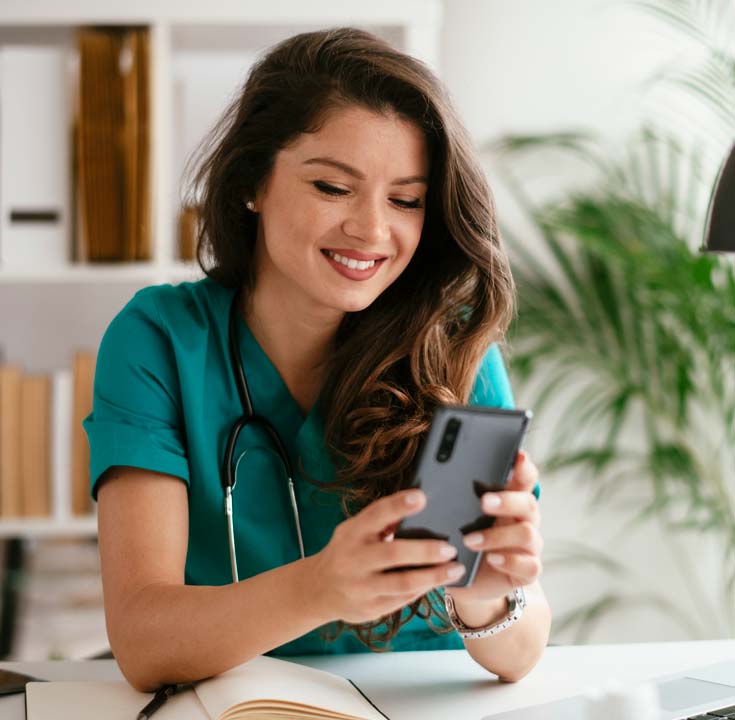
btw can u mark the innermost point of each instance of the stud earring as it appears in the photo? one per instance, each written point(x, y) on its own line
point(250, 205)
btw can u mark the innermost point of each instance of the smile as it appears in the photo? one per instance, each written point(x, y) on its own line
point(350, 262)
point(351, 267)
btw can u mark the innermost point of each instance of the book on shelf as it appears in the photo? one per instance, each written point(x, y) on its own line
point(11, 379)
point(35, 153)
point(261, 688)
point(112, 145)
point(188, 230)
point(62, 402)
point(35, 466)
point(25, 476)
point(44, 454)
point(82, 387)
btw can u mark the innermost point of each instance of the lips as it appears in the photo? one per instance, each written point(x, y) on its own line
point(354, 254)
point(355, 273)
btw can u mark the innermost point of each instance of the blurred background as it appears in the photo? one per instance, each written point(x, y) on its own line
point(602, 127)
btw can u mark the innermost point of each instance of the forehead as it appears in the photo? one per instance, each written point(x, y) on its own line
point(372, 142)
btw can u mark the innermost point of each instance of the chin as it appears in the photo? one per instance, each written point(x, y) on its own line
point(355, 304)
point(355, 307)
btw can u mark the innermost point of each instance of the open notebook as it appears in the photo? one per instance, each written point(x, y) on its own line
point(263, 688)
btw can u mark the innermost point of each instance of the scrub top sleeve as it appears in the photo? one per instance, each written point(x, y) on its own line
point(136, 414)
point(492, 387)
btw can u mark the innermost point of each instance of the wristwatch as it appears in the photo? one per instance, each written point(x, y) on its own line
point(516, 606)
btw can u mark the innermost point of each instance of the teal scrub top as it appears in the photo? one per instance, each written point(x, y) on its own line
point(165, 399)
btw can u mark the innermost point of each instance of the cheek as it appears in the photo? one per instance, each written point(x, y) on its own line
point(409, 239)
point(290, 235)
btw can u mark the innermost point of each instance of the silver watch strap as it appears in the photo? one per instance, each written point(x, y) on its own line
point(516, 606)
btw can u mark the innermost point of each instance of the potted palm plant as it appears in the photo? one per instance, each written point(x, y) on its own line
point(628, 332)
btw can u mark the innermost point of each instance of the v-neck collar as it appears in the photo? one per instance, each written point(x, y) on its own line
point(270, 395)
point(303, 435)
point(253, 353)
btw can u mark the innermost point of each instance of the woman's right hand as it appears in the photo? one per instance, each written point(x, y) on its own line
point(349, 573)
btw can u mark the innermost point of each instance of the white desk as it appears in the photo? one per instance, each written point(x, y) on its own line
point(443, 684)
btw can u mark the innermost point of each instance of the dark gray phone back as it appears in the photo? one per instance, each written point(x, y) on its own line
point(482, 458)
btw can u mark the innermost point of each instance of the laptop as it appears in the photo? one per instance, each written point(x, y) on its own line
point(706, 692)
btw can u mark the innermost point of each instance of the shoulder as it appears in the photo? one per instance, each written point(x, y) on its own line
point(492, 384)
point(138, 402)
point(167, 304)
point(173, 312)
point(157, 324)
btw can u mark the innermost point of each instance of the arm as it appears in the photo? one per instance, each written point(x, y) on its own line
point(514, 538)
point(161, 630)
point(514, 652)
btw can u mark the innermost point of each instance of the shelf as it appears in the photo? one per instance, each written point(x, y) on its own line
point(28, 528)
point(103, 273)
point(224, 11)
point(50, 309)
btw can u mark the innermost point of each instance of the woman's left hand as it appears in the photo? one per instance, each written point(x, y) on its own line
point(512, 547)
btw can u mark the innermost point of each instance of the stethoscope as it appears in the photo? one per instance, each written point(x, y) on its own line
point(229, 477)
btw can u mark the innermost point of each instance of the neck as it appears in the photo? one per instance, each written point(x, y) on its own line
point(298, 338)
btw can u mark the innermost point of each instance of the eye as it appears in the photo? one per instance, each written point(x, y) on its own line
point(328, 189)
point(331, 190)
point(410, 204)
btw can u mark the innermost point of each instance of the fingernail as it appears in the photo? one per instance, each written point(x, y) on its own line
point(490, 500)
point(456, 572)
point(448, 551)
point(494, 559)
point(413, 498)
point(473, 538)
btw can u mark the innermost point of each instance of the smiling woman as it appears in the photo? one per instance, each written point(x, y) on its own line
point(356, 279)
point(326, 222)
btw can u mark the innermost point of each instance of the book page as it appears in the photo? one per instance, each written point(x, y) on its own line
point(266, 678)
point(112, 700)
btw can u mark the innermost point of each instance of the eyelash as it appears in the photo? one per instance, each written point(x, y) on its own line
point(331, 190)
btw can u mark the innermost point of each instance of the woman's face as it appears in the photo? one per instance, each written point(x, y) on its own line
point(342, 211)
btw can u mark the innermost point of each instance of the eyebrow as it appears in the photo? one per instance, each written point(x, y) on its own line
point(361, 176)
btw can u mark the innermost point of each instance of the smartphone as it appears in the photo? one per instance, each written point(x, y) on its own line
point(469, 450)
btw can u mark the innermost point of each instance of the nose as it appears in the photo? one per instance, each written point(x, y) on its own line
point(367, 220)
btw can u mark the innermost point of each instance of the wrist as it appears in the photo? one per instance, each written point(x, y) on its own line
point(481, 614)
point(316, 604)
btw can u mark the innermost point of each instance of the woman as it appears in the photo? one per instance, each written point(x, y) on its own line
point(349, 235)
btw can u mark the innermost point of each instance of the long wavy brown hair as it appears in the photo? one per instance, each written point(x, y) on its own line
point(421, 341)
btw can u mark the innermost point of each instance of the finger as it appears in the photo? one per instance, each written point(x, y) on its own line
point(380, 515)
point(523, 567)
point(511, 503)
point(417, 582)
point(520, 536)
point(399, 553)
point(400, 600)
point(389, 532)
point(525, 473)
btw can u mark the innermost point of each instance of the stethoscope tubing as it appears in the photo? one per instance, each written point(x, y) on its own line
point(228, 477)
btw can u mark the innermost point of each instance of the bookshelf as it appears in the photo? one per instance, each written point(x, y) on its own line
point(48, 311)
point(42, 528)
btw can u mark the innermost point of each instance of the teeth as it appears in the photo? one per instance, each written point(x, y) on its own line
point(350, 262)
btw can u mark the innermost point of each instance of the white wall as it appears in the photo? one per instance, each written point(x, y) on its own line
point(530, 67)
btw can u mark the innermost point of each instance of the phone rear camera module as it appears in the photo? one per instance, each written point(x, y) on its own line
point(446, 446)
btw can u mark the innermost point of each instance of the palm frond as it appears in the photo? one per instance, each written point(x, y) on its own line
point(624, 321)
